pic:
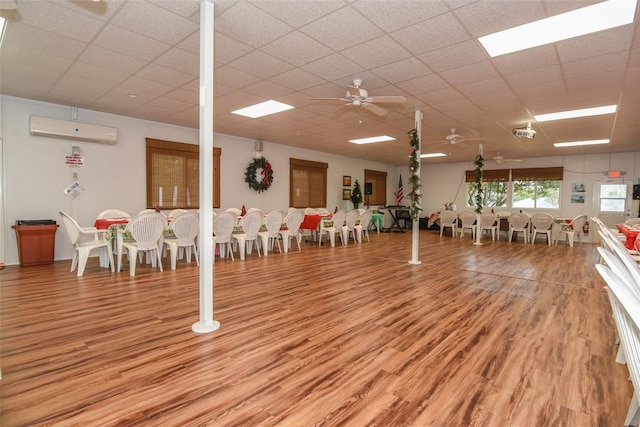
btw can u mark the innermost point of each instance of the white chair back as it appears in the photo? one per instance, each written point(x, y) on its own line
point(223, 225)
point(251, 223)
point(234, 211)
point(147, 229)
point(174, 213)
point(185, 227)
point(112, 214)
point(309, 211)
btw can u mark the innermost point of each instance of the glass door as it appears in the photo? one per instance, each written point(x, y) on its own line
point(613, 202)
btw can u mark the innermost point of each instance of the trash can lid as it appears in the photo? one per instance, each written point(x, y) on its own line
point(35, 222)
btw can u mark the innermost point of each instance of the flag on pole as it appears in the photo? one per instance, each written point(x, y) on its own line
point(400, 192)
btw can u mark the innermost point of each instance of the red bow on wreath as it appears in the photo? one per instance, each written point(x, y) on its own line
point(265, 172)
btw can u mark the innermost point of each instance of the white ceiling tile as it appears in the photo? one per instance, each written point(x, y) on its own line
point(470, 73)
point(526, 60)
point(595, 44)
point(333, 67)
point(185, 8)
point(269, 66)
point(453, 56)
point(249, 25)
point(595, 64)
point(226, 49)
point(234, 78)
point(342, 29)
point(440, 95)
point(137, 85)
point(297, 79)
point(535, 76)
point(165, 75)
point(191, 97)
point(423, 84)
point(27, 81)
point(400, 71)
point(297, 49)
point(52, 17)
point(37, 40)
point(154, 22)
point(482, 18)
point(170, 103)
point(435, 33)
point(496, 84)
point(130, 43)
point(296, 15)
point(12, 55)
point(393, 15)
point(376, 52)
point(268, 90)
point(78, 91)
point(99, 74)
point(110, 59)
point(493, 98)
point(181, 60)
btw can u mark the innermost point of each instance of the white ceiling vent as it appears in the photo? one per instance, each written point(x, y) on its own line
point(65, 129)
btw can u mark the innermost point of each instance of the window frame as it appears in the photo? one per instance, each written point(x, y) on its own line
point(316, 188)
point(181, 150)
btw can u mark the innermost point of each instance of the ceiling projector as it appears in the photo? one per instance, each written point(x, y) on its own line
point(525, 132)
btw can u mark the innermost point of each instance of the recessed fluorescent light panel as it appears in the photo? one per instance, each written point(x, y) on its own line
point(372, 139)
point(597, 17)
point(428, 155)
point(585, 112)
point(263, 109)
point(578, 143)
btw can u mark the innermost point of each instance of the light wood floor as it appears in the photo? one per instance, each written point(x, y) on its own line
point(503, 334)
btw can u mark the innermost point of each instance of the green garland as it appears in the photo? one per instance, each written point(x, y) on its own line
point(414, 178)
point(479, 162)
point(267, 173)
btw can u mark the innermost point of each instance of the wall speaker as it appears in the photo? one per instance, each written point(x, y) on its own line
point(636, 192)
point(368, 188)
point(258, 146)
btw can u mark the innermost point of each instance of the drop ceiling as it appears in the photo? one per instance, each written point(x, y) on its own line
point(97, 55)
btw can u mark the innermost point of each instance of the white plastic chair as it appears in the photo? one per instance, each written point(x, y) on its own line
point(362, 227)
point(322, 211)
point(449, 219)
point(467, 222)
point(519, 222)
point(250, 224)
point(273, 223)
point(185, 228)
point(234, 211)
point(541, 224)
point(349, 228)
point(489, 221)
point(82, 247)
point(571, 229)
point(292, 221)
point(309, 211)
point(223, 225)
point(632, 221)
point(336, 227)
point(147, 230)
point(174, 213)
point(291, 209)
point(113, 214)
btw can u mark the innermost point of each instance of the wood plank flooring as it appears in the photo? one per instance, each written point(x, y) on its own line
point(503, 334)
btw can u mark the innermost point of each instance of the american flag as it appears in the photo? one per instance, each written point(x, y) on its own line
point(400, 192)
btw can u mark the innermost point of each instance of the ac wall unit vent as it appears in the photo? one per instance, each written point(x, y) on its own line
point(65, 129)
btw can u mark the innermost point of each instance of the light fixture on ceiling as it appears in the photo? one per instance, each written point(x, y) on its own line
point(579, 143)
point(572, 114)
point(578, 22)
point(263, 109)
point(429, 155)
point(132, 95)
point(372, 139)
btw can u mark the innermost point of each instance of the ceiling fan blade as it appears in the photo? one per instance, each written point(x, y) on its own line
point(340, 111)
point(388, 99)
point(329, 99)
point(375, 109)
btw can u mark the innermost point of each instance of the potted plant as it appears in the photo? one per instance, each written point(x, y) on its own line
point(356, 195)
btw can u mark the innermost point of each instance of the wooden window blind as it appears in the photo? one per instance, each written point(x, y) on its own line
point(488, 175)
point(307, 183)
point(538, 174)
point(378, 180)
point(173, 175)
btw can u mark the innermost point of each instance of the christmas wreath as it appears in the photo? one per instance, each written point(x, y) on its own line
point(267, 175)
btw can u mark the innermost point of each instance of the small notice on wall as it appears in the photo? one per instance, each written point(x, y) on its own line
point(74, 190)
point(74, 161)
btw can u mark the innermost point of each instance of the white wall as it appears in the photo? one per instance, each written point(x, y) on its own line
point(35, 173)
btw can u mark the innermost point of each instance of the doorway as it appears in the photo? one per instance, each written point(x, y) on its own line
point(613, 202)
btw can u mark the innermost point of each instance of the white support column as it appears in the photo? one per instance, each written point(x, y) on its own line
point(206, 322)
point(415, 229)
point(478, 225)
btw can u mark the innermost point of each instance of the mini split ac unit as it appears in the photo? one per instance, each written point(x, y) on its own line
point(43, 126)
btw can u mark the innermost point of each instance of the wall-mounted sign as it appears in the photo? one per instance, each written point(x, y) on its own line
point(74, 161)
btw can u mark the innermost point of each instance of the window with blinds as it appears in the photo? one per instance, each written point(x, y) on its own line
point(307, 184)
point(173, 175)
point(378, 181)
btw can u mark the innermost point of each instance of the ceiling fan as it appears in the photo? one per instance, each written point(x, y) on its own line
point(453, 138)
point(500, 159)
point(358, 97)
